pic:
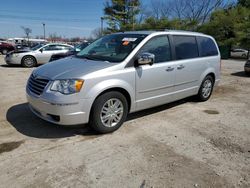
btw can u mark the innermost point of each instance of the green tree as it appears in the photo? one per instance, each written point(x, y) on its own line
point(244, 3)
point(121, 14)
point(230, 27)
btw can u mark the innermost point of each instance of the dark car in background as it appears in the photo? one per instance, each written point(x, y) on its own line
point(76, 49)
point(247, 67)
point(6, 47)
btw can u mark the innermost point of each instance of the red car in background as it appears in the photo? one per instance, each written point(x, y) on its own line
point(6, 47)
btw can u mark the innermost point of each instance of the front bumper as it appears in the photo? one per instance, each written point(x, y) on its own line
point(11, 60)
point(60, 113)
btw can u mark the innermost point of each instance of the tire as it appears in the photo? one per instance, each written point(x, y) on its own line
point(206, 88)
point(4, 51)
point(107, 117)
point(244, 56)
point(28, 61)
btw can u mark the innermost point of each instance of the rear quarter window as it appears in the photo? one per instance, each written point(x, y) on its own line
point(185, 47)
point(207, 47)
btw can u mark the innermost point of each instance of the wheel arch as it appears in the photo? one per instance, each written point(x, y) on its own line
point(211, 72)
point(28, 56)
point(118, 89)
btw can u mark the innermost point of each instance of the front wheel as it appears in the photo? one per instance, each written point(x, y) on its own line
point(109, 111)
point(28, 61)
point(206, 88)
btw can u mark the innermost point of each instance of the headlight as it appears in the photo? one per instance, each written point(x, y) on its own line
point(67, 86)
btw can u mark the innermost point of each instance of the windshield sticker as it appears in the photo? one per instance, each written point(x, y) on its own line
point(125, 43)
point(129, 39)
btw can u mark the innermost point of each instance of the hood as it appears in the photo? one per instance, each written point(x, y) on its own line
point(17, 51)
point(70, 67)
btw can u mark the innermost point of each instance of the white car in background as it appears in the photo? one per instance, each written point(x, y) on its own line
point(240, 53)
point(39, 54)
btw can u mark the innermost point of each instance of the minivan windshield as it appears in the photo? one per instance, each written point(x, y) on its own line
point(112, 48)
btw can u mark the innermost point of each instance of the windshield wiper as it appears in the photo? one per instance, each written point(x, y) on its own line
point(87, 57)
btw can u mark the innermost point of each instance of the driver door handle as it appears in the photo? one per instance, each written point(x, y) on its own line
point(169, 69)
point(180, 67)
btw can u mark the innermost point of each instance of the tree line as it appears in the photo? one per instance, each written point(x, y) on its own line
point(227, 21)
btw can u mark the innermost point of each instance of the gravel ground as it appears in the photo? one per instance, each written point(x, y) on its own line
point(182, 144)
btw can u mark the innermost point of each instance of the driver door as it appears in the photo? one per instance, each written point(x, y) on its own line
point(46, 53)
point(155, 83)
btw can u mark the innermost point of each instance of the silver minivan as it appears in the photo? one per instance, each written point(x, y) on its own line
point(123, 73)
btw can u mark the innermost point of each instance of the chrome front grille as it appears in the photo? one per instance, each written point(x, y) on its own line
point(37, 84)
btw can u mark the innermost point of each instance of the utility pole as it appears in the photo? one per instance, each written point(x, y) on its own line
point(102, 18)
point(43, 31)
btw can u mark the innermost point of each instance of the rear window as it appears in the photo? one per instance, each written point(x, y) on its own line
point(207, 47)
point(185, 47)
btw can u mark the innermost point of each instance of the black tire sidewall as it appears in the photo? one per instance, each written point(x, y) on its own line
point(29, 66)
point(200, 96)
point(95, 120)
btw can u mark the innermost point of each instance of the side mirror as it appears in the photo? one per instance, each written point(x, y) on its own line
point(41, 50)
point(146, 59)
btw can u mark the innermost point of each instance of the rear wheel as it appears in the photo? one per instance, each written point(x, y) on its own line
point(28, 61)
point(109, 111)
point(4, 51)
point(206, 88)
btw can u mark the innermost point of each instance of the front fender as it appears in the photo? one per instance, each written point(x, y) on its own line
point(102, 86)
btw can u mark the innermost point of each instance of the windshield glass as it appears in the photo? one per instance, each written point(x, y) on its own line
point(37, 47)
point(112, 48)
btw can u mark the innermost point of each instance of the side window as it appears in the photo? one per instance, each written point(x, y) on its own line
point(207, 47)
point(160, 47)
point(185, 47)
point(59, 47)
point(49, 48)
point(62, 47)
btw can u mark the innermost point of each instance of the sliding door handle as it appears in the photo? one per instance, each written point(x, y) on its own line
point(169, 69)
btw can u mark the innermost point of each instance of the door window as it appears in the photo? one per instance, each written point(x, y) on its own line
point(50, 48)
point(207, 47)
point(185, 47)
point(160, 47)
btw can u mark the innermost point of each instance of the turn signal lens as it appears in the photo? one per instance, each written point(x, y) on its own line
point(78, 85)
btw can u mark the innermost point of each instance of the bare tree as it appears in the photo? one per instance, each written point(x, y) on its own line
point(196, 10)
point(193, 10)
point(144, 13)
point(27, 32)
point(160, 9)
point(97, 33)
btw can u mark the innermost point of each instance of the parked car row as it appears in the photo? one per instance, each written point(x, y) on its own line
point(39, 54)
point(6, 47)
point(42, 53)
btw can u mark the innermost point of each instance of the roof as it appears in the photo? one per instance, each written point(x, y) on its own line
point(167, 31)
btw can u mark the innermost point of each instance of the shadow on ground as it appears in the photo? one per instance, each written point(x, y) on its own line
point(11, 66)
point(158, 108)
point(25, 122)
point(240, 74)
